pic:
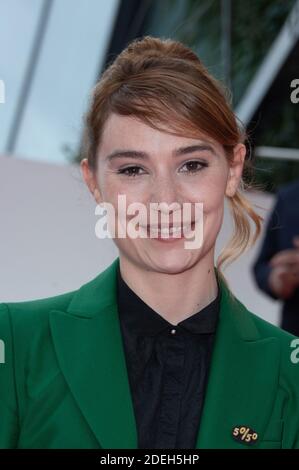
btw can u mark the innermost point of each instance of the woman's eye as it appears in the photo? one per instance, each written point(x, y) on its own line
point(131, 171)
point(193, 166)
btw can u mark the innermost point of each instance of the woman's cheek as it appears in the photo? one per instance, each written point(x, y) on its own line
point(213, 207)
point(211, 197)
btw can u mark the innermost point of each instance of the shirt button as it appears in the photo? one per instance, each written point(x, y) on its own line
point(173, 331)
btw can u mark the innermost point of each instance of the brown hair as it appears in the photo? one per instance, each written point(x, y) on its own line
point(163, 83)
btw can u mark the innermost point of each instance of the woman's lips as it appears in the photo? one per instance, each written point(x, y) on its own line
point(169, 233)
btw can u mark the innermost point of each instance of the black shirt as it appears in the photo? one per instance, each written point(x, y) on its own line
point(167, 368)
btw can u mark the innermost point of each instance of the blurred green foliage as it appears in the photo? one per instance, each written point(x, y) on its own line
point(197, 23)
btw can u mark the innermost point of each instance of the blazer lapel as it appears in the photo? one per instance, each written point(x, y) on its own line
point(243, 378)
point(89, 348)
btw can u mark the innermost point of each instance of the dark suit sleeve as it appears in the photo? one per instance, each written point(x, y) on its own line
point(8, 401)
point(270, 245)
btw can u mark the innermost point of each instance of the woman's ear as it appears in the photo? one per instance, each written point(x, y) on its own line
point(90, 180)
point(235, 170)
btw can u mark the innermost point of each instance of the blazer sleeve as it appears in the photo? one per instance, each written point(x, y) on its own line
point(261, 268)
point(8, 399)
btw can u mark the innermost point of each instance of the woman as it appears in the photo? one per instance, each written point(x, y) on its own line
point(155, 351)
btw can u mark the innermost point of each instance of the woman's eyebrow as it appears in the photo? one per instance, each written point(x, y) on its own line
point(195, 148)
point(177, 152)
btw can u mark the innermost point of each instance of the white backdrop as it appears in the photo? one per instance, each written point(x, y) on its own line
point(48, 244)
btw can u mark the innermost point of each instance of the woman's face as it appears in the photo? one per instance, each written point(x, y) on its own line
point(159, 167)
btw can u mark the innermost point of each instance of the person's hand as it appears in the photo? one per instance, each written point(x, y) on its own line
point(282, 282)
point(284, 276)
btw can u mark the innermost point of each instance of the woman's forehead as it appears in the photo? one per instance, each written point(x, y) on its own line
point(129, 132)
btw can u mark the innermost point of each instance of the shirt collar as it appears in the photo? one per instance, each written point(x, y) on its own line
point(141, 319)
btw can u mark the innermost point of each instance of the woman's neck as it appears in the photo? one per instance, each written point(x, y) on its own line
point(173, 296)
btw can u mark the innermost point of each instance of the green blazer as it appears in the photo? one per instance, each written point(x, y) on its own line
point(64, 382)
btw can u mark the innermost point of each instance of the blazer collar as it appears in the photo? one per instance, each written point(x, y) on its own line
point(88, 343)
point(139, 318)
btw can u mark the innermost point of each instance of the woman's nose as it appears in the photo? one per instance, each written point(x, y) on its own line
point(164, 190)
point(165, 201)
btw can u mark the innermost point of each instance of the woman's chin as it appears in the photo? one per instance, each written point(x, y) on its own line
point(171, 263)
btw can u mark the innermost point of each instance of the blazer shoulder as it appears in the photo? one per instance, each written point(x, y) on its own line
point(267, 329)
point(29, 314)
point(289, 347)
